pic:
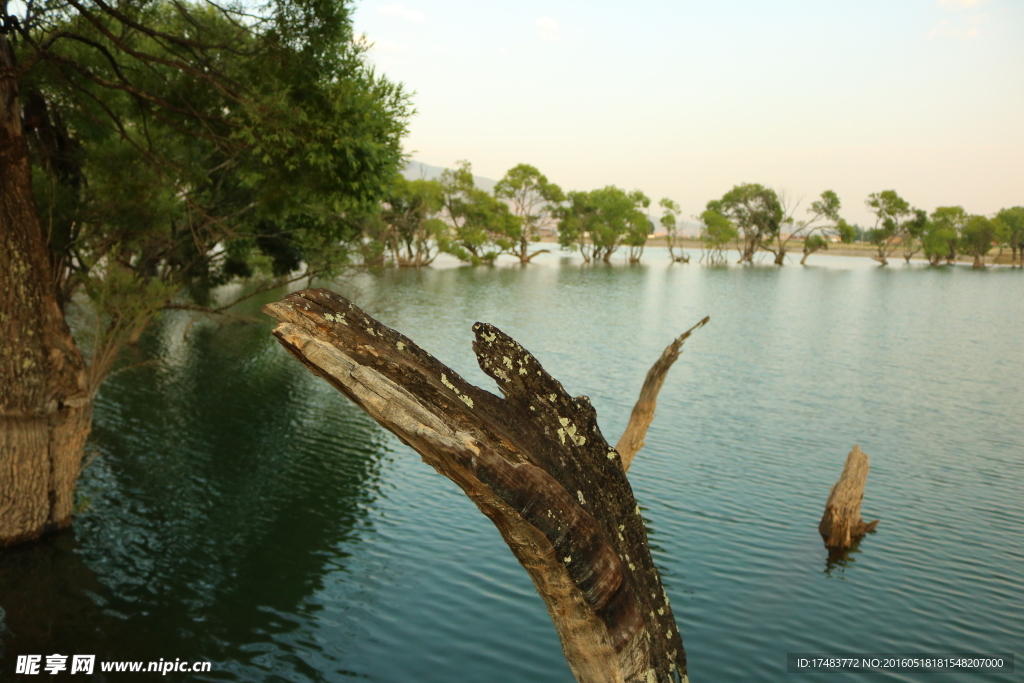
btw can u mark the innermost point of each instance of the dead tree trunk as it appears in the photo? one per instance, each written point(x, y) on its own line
point(842, 524)
point(534, 462)
point(632, 439)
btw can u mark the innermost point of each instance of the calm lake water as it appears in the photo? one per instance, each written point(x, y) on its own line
point(241, 511)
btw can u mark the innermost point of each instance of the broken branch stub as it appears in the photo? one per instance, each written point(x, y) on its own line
point(534, 462)
point(842, 524)
point(640, 419)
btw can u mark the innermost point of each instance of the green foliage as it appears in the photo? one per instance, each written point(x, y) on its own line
point(670, 216)
point(757, 213)
point(824, 219)
point(533, 200)
point(942, 235)
point(1013, 220)
point(827, 207)
point(670, 222)
point(847, 233)
point(481, 227)
point(190, 144)
point(407, 226)
point(978, 236)
point(718, 231)
point(598, 222)
point(891, 213)
point(815, 243)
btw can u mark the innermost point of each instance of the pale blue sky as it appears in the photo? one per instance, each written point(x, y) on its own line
point(687, 99)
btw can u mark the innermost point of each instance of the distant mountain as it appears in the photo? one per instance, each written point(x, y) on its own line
point(416, 170)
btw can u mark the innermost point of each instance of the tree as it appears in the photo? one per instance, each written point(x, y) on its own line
point(482, 227)
point(813, 243)
point(413, 233)
point(847, 233)
point(150, 152)
point(978, 236)
point(670, 221)
point(824, 218)
point(718, 231)
point(532, 199)
point(638, 229)
point(757, 213)
point(891, 213)
point(1013, 219)
point(942, 234)
point(574, 217)
point(913, 231)
point(598, 221)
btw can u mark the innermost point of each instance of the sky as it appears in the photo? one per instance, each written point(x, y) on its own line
point(687, 99)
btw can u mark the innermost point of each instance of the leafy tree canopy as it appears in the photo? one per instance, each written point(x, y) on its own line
point(755, 210)
point(177, 145)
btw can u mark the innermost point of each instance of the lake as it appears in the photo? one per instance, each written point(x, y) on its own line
point(241, 511)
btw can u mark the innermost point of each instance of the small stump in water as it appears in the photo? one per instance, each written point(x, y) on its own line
point(842, 525)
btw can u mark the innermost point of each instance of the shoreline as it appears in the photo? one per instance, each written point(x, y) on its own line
point(795, 250)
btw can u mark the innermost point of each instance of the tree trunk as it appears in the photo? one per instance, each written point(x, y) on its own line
point(640, 419)
point(45, 409)
point(534, 462)
point(842, 524)
point(979, 261)
point(780, 258)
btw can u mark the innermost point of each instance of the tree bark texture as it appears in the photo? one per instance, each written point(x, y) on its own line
point(842, 524)
point(44, 409)
point(640, 419)
point(534, 462)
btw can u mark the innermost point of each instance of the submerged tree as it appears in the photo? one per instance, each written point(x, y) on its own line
point(151, 151)
point(597, 222)
point(824, 220)
point(978, 236)
point(1013, 219)
point(412, 234)
point(718, 231)
point(757, 213)
point(942, 234)
point(914, 230)
point(670, 221)
point(891, 213)
point(532, 199)
point(481, 227)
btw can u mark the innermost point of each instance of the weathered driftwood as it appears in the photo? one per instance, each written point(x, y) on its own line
point(632, 439)
point(842, 524)
point(534, 462)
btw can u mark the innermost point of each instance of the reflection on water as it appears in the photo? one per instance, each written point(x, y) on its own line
point(839, 559)
point(240, 511)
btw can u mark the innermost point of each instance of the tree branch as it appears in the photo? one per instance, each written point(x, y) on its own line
point(640, 419)
point(534, 462)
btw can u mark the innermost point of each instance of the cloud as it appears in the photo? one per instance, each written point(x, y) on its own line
point(415, 15)
point(963, 26)
point(946, 30)
point(547, 29)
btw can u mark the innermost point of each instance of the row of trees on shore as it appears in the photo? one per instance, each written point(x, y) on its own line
point(420, 219)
